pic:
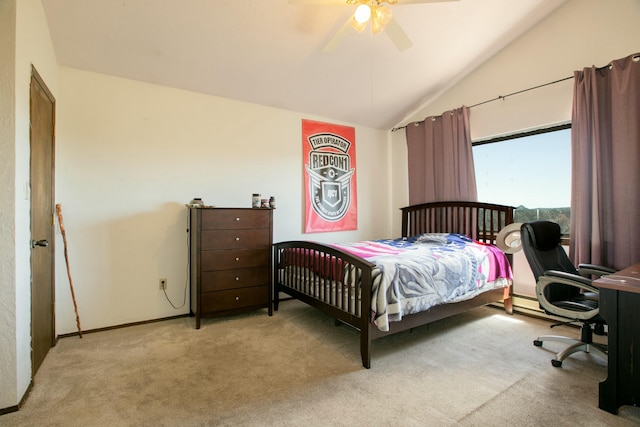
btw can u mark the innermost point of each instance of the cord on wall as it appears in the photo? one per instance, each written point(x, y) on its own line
point(186, 284)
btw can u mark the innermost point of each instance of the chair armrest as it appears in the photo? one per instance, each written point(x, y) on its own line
point(594, 270)
point(570, 279)
point(580, 282)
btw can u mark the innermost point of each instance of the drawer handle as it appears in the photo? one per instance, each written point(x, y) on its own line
point(237, 259)
point(237, 298)
point(237, 239)
point(238, 219)
point(237, 278)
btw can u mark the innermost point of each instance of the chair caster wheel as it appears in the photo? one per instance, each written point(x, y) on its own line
point(556, 363)
point(537, 343)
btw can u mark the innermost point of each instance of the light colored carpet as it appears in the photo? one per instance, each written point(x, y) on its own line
point(297, 369)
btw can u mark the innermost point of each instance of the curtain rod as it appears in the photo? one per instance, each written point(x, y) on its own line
point(503, 97)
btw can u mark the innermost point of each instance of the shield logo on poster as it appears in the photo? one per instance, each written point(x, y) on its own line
point(329, 176)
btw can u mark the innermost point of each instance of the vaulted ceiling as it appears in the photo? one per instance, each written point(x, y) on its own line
point(269, 52)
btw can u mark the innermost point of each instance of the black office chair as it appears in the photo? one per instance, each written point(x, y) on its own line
point(563, 290)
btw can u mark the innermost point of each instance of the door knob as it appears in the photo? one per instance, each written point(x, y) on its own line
point(42, 243)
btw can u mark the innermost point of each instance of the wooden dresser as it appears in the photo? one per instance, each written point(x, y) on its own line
point(230, 258)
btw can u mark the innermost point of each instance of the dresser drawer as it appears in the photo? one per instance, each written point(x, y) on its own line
point(234, 299)
point(223, 219)
point(232, 279)
point(234, 258)
point(231, 239)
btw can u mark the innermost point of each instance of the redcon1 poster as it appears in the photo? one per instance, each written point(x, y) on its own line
point(329, 156)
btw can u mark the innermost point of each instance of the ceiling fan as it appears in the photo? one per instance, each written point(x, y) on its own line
point(375, 11)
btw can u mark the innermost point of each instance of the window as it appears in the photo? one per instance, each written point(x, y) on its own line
point(531, 171)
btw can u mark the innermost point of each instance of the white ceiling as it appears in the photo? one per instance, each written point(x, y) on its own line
point(269, 52)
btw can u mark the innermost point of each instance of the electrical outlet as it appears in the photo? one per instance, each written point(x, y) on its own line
point(163, 284)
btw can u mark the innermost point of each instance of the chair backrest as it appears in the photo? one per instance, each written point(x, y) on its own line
point(541, 245)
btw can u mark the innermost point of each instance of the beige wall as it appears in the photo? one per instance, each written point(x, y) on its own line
point(579, 34)
point(8, 338)
point(131, 154)
point(25, 42)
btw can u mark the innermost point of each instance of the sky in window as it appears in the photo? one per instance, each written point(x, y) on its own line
point(534, 171)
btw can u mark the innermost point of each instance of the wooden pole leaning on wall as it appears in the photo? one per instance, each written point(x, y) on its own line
point(66, 259)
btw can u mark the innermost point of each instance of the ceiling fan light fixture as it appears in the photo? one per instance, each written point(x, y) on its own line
point(380, 18)
point(375, 11)
point(362, 14)
point(359, 27)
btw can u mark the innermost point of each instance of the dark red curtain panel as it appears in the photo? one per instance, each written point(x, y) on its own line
point(605, 188)
point(441, 159)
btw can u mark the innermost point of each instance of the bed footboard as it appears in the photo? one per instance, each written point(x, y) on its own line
point(336, 282)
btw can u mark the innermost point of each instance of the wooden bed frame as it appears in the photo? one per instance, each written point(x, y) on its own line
point(480, 221)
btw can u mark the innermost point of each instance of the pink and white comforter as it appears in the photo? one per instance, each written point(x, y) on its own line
point(414, 274)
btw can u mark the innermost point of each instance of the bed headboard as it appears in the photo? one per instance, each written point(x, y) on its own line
point(480, 221)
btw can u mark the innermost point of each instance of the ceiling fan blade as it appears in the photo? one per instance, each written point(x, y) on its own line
point(397, 35)
point(337, 38)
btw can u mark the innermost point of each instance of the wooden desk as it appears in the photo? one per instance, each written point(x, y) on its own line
point(620, 307)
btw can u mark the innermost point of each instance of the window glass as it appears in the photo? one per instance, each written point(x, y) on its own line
point(530, 172)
